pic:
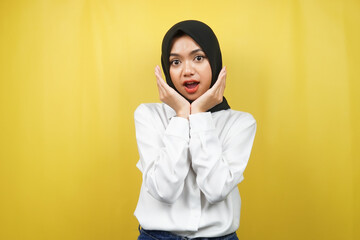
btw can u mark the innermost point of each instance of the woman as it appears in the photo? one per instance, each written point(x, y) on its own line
point(193, 148)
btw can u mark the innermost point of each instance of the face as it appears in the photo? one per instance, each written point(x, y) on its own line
point(190, 69)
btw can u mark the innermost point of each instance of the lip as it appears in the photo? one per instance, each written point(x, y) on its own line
point(191, 90)
point(190, 80)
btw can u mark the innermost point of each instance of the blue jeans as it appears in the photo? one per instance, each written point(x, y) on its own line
point(163, 235)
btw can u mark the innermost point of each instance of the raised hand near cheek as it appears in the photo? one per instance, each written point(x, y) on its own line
point(211, 97)
point(172, 98)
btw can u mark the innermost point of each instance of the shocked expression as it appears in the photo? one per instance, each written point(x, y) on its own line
point(190, 70)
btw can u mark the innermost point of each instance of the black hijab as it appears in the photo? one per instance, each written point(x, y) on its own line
point(203, 35)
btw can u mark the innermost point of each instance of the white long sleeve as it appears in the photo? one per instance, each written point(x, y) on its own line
point(191, 169)
point(219, 166)
point(163, 154)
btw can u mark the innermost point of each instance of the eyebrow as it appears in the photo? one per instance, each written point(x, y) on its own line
point(192, 52)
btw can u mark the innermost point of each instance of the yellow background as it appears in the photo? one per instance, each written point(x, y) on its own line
point(73, 72)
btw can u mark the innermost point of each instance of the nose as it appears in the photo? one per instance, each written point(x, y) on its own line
point(188, 68)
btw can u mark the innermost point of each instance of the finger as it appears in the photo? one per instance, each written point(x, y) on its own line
point(158, 71)
point(223, 73)
point(161, 91)
point(157, 68)
point(220, 78)
point(159, 82)
point(222, 82)
point(224, 78)
point(164, 87)
point(160, 87)
point(159, 77)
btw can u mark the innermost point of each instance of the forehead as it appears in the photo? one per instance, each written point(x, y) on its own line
point(184, 44)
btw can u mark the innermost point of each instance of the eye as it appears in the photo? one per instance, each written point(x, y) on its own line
point(199, 58)
point(175, 62)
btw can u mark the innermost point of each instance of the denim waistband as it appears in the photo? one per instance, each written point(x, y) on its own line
point(164, 235)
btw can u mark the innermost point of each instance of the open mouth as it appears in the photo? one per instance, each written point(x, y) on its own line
point(191, 86)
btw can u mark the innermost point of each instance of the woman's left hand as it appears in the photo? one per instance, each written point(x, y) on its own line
point(211, 97)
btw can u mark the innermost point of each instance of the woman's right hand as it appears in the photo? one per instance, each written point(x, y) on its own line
point(172, 98)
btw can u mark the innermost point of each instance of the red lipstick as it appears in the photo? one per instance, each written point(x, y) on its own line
point(191, 86)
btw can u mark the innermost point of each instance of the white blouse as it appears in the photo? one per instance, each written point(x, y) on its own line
point(191, 169)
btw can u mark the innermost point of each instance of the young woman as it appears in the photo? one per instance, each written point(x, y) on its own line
point(193, 148)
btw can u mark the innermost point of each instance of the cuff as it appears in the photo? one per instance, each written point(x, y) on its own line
point(178, 127)
point(200, 122)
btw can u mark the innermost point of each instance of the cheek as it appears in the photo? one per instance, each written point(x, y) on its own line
point(174, 75)
point(207, 75)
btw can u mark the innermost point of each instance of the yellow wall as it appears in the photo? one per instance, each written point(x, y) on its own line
point(73, 72)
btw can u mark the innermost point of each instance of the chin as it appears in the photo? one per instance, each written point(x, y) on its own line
point(191, 97)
